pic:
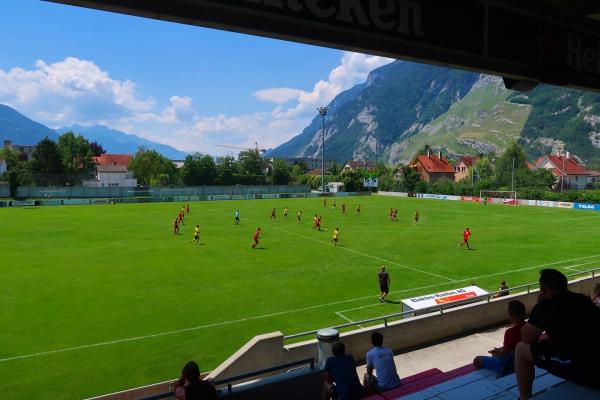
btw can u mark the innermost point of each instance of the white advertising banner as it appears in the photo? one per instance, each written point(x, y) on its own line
point(447, 297)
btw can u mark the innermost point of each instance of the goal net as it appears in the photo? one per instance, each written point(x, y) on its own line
point(498, 196)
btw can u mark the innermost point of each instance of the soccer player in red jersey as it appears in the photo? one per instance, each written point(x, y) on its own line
point(466, 236)
point(343, 208)
point(319, 223)
point(176, 227)
point(187, 208)
point(272, 217)
point(256, 237)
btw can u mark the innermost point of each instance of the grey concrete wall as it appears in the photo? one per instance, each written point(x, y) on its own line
point(265, 351)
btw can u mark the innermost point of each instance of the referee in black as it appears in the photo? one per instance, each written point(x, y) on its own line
point(384, 284)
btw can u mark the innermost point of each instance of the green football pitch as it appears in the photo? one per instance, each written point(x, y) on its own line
point(96, 299)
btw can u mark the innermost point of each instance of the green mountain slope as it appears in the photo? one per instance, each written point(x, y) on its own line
point(482, 122)
point(561, 119)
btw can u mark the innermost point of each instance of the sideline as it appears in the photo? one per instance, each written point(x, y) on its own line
point(235, 321)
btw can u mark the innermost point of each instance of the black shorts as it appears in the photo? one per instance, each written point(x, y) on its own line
point(545, 356)
point(384, 288)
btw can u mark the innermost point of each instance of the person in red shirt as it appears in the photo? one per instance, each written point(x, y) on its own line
point(502, 358)
point(272, 217)
point(176, 226)
point(187, 208)
point(256, 237)
point(318, 223)
point(343, 208)
point(466, 236)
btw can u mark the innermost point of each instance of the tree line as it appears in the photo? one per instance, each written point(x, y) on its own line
point(64, 162)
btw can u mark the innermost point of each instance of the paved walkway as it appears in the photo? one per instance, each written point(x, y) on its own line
point(448, 355)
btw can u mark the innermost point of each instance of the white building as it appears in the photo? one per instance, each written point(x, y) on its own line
point(112, 170)
point(567, 171)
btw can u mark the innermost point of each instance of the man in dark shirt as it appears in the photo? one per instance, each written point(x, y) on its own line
point(384, 284)
point(190, 387)
point(341, 370)
point(572, 323)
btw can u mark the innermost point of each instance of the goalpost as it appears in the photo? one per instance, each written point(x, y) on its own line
point(505, 196)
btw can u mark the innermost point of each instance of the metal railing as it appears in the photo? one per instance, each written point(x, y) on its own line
point(440, 308)
point(307, 361)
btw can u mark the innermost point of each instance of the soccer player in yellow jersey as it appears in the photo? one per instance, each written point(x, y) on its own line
point(196, 239)
point(336, 236)
point(285, 213)
point(416, 217)
point(299, 217)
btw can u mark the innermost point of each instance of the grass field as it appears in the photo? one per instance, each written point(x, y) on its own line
point(95, 299)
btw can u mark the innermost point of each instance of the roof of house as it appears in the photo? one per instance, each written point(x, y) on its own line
point(595, 173)
point(316, 171)
point(113, 159)
point(571, 167)
point(433, 164)
point(111, 168)
point(360, 164)
point(468, 160)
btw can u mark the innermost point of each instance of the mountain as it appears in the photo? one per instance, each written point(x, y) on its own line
point(114, 141)
point(21, 130)
point(396, 101)
point(404, 106)
point(483, 121)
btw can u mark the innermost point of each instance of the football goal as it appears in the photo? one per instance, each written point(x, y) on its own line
point(498, 196)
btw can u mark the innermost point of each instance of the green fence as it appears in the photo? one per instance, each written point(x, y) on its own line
point(38, 192)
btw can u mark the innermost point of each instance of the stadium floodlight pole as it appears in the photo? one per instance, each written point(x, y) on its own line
point(323, 113)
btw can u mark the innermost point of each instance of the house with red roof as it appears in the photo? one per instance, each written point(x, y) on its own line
point(433, 168)
point(461, 168)
point(112, 170)
point(567, 170)
point(355, 165)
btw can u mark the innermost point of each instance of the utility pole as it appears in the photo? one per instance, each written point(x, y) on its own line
point(562, 175)
point(512, 183)
point(323, 113)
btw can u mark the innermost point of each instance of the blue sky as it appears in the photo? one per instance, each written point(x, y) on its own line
point(185, 86)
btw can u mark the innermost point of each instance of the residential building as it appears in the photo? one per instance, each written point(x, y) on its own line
point(568, 172)
point(461, 168)
point(354, 165)
point(311, 163)
point(433, 168)
point(25, 151)
point(594, 178)
point(112, 170)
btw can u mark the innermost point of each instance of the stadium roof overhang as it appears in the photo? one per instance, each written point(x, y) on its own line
point(525, 41)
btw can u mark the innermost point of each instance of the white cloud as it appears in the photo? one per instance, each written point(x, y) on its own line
point(354, 69)
point(79, 91)
point(179, 110)
point(53, 87)
point(279, 95)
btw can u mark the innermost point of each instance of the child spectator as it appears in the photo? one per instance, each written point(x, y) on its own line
point(502, 359)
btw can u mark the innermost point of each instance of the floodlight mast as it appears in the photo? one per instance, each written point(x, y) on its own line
point(323, 113)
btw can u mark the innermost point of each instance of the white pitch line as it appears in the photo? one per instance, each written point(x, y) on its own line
point(357, 252)
point(339, 314)
point(571, 267)
point(223, 323)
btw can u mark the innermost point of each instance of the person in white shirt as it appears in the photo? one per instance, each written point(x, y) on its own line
point(381, 360)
